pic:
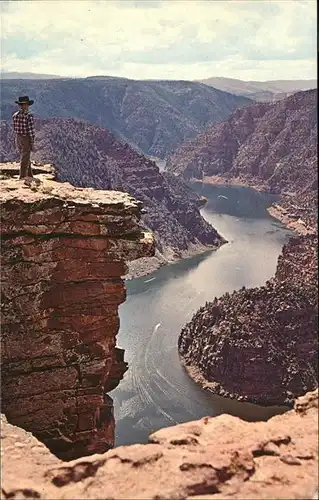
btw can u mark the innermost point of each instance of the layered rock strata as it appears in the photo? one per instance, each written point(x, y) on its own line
point(271, 147)
point(274, 144)
point(260, 344)
point(90, 156)
point(216, 458)
point(64, 252)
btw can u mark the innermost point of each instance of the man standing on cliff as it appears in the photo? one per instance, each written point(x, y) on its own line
point(23, 126)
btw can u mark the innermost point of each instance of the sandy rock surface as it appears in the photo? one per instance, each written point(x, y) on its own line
point(213, 458)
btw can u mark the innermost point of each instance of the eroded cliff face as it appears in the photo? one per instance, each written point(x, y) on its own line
point(271, 147)
point(90, 156)
point(64, 252)
point(260, 344)
point(273, 144)
point(213, 458)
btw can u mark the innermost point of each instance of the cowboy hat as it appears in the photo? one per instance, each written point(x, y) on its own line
point(24, 100)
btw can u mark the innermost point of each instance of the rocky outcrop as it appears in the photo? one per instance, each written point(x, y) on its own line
point(298, 263)
point(63, 255)
point(89, 156)
point(153, 116)
point(214, 458)
point(260, 344)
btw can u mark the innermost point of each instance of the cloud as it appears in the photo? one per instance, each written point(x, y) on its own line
point(161, 39)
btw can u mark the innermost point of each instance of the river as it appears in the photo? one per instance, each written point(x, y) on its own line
point(156, 392)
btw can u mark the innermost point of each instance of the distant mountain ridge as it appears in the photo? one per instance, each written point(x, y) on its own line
point(9, 75)
point(260, 91)
point(152, 116)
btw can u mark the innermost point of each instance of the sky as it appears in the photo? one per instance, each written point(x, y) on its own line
point(169, 39)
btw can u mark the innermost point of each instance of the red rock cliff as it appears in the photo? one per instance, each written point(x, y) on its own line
point(63, 255)
point(272, 146)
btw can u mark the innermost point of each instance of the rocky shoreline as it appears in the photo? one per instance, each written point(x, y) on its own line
point(259, 344)
point(270, 147)
point(220, 180)
point(148, 265)
point(284, 215)
point(290, 220)
point(143, 267)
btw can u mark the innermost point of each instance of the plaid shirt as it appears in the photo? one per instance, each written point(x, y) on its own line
point(23, 124)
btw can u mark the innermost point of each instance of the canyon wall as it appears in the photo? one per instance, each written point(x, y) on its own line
point(154, 116)
point(260, 344)
point(90, 156)
point(64, 252)
point(215, 458)
point(273, 144)
point(271, 147)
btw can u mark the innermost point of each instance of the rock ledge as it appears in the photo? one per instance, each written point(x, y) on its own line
point(64, 252)
point(217, 458)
